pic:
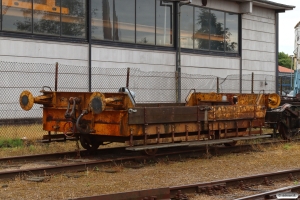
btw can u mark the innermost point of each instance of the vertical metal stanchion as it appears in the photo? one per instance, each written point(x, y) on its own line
point(56, 76)
point(280, 86)
point(218, 89)
point(252, 83)
point(127, 80)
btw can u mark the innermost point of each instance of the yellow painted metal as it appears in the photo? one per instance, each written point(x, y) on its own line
point(268, 100)
point(26, 100)
point(274, 100)
point(100, 98)
point(108, 114)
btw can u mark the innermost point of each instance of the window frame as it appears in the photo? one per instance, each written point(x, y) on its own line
point(215, 52)
point(39, 36)
point(173, 25)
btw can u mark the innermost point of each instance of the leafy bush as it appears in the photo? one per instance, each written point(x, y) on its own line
point(10, 143)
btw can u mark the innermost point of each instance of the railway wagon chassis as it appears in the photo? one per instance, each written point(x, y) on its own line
point(205, 118)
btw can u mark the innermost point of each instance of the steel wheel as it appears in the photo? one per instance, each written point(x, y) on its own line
point(286, 133)
point(231, 144)
point(89, 143)
point(150, 152)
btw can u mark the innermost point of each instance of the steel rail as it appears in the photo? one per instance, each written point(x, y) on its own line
point(179, 192)
point(96, 162)
point(84, 165)
point(103, 151)
point(291, 190)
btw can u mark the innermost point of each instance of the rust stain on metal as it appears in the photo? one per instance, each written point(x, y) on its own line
point(203, 116)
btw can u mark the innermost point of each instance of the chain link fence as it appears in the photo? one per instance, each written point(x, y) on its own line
point(156, 87)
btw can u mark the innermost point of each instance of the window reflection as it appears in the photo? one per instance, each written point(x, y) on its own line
point(73, 23)
point(202, 17)
point(17, 16)
point(217, 30)
point(102, 19)
point(231, 34)
point(164, 24)
point(124, 21)
point(46, 17)
point(186, 27)
point(133, 21)
point(145, 21)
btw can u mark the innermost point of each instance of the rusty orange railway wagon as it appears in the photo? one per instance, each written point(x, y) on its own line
point(205, 118)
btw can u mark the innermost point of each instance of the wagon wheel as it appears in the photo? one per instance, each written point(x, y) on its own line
point(285, 132)
point(89, 143)
point(150, 152)
point(231, 144)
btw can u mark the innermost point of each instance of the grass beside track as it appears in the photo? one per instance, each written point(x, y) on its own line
point(31, 132)
point(17, 140)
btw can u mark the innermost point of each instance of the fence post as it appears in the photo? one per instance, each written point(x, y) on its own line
point(218, 89)
point(252, 83)
point(56, 76)
point(127, 80)
point(281, 86)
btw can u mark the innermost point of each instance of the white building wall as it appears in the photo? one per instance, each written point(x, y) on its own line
point(41, 51)
point(258, 42)
point(146, 60)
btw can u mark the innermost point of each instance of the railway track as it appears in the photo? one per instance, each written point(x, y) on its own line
point(291, 191)
point(70, 162)
point(183, 192)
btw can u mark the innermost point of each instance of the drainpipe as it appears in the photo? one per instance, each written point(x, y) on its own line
point(276, 49)
point(178, 57)
point(241, 53)
point(90, 44)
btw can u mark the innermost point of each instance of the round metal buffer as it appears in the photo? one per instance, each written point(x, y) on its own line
point(26, 100)
point(274, 100)
point(97, 103)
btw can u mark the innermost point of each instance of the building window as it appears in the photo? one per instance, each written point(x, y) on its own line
point(232, 33)
point(46, 18)
point(211, 30)
point(143, 22)
point(102, 19)
point(73, 22)
point(124, 20)
point(164, 23)
point(217, 30)
point(186, 27)
point(65, 18)
point(202, 28)
point(17, 16)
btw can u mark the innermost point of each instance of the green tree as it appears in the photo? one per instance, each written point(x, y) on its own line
point(209, 25)
point(284, 60)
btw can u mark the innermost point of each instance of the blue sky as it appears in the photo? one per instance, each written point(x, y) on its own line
point(287, 22)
